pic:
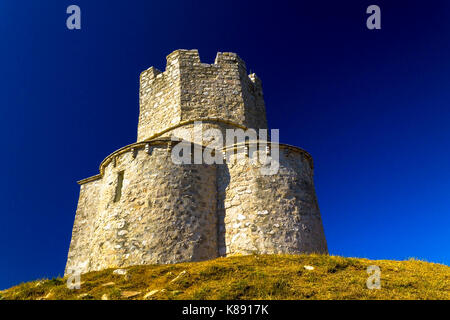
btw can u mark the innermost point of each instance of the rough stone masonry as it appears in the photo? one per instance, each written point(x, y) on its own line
point(144, 209)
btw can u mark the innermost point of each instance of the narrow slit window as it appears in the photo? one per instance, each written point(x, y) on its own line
point(119, 186)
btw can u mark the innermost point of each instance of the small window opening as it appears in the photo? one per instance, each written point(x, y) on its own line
point(119, 186)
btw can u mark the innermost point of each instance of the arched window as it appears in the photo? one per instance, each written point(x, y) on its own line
point(119, 186)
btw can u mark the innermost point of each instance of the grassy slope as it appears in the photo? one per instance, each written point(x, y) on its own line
point(253, 277)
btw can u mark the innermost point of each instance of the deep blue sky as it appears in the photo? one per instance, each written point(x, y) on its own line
point(372, 107)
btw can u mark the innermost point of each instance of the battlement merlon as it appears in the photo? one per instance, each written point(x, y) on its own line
point(189, 89)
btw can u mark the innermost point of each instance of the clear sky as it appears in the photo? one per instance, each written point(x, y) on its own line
point(371, 106)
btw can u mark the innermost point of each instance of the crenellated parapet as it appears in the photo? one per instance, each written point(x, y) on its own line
point(189, 89)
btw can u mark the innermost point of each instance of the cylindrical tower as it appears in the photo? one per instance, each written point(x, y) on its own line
point(265, 214)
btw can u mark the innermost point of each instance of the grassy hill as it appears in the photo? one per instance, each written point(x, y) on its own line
point(252, 277)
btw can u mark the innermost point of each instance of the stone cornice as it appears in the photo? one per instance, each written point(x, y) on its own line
point(183, 123)
point(164, 141)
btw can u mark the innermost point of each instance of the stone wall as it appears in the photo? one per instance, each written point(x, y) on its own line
point(169, 213)
point(269, 213)
point(190, 90)
point(166, 213)
point(159, 100)
point(85, 217)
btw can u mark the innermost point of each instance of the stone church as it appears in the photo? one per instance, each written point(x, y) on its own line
point(142, 208)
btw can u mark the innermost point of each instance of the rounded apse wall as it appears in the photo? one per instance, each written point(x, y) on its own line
point(266, 214)
point(151, 210)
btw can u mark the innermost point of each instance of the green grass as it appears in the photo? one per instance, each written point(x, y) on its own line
point(253, 277)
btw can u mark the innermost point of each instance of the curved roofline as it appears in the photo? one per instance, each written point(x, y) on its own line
point(280, 145)
point(186, 122)
point(153, 141)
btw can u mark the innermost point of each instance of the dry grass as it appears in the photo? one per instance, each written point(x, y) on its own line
point(254, 277)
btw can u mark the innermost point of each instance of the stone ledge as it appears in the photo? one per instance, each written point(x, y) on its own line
point(186, 122)
point(165, 141)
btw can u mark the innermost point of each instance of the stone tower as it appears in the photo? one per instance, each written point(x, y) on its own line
point(142, 208)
